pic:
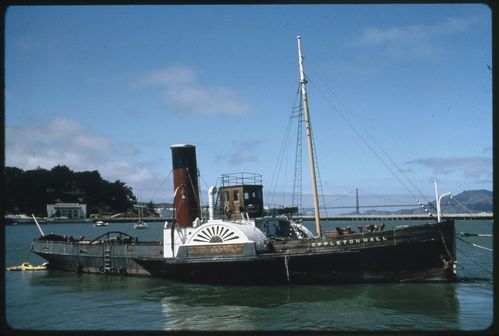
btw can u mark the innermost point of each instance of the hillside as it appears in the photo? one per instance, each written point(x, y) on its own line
point(470, 201)
point(475, 200)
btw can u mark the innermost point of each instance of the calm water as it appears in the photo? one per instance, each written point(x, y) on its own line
point(54, 300)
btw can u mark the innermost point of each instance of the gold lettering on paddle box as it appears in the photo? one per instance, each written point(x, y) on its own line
point(214, 250)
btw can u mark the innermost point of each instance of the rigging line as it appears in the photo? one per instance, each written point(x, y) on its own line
point(365, 142)
point(475, 245)
point(476, 262)
point(285, 161)
point(372, 138)
point(298, 174)
point(200, 195)
point(194, 191)
point(316, 168)
point(396, 165)
point(204, 182)
point(287, 131)
point(465, 208)
point(162, 184)
point(318, 172)
point(382, 197)
point(340, 197)
point(277, 168)
point(284, 144)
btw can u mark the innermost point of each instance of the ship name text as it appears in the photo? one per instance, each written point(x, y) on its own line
point(340, 242)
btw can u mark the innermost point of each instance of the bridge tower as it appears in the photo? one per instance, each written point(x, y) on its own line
point(357, 206)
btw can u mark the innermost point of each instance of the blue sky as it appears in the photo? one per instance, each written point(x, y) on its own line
point(110, 88)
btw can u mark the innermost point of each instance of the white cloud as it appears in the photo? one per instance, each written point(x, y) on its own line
point(135, 173)
point(183, 94)
point(245, 152)
point(60, 141)
point(67, 142)
point(199, 101)
point(413, 41)
point(99, 143)
point(475, 168)
point(175, 75)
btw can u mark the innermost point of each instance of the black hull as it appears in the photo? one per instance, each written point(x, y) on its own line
point(419, 253)
point(95, 264)
point(98, 256)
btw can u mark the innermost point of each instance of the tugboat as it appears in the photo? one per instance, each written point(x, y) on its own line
point(243, 248)
point(278, 251)
point(244, 251)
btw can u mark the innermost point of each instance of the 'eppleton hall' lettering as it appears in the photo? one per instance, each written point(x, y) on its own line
point(349, 241)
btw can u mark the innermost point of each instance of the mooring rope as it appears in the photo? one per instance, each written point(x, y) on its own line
point(476, 262)
point(446, 249)
point(475, 245)
point(467, 234)
point(29, 253)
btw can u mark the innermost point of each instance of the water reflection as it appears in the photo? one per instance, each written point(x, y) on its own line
point(75, 282)
point(180, 306)
point(409, 297)
point(344, 307)
point(429, 299)
point(155, 304)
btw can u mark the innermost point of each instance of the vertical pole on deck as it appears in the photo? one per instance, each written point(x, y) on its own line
point(308, 128)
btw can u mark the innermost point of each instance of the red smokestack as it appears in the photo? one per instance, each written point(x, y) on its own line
point(185, 184)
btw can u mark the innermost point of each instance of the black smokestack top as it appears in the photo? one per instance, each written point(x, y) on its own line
point(185, 184)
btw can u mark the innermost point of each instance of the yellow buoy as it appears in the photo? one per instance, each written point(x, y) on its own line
point(26, 266)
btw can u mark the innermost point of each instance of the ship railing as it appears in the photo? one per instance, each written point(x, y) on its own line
point(242, 178)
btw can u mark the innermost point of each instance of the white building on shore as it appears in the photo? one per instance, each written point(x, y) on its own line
point(66, 210)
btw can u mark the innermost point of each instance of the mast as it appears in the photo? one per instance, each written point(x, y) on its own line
point(303, 83)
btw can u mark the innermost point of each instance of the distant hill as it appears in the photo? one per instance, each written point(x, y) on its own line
point(475, 200)
point(470, 201)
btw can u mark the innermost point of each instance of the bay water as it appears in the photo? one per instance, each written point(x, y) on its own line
point(64, 301)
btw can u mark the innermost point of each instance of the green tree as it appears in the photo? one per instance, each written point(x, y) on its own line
point(30, 191)
point(12, 197)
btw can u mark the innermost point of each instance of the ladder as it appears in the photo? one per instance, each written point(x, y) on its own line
point(107, 259)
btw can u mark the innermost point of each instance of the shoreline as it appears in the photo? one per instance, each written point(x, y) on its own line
point(360, 218)
point(123, 220)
